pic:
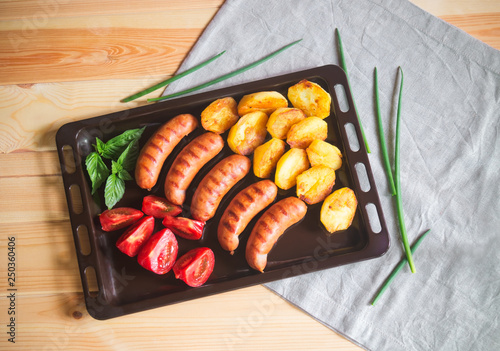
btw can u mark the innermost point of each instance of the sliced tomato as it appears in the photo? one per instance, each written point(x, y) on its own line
point(118, 218)
point(131, 241)
point(159, 207)
point(195, 267)
point(185, 227)
point(159, 253)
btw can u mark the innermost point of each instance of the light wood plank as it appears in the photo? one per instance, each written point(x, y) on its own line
point(230, 321)
point(32, 199)
point(29, 163)
point(485, 26)
point(33, 113)
point(36, 10)
point(55, 55)
point(45, 257)
point(458, 7)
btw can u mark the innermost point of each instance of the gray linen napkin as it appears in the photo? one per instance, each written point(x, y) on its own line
point(450, 153)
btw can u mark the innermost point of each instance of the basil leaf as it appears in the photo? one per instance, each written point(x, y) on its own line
point(115, 146)
point(114, 190)
point(97, 170)
point(124, 175)
point(116, 167)
point(100, 146)
point(128, 158)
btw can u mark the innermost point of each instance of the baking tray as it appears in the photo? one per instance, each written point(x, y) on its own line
point(124, 287)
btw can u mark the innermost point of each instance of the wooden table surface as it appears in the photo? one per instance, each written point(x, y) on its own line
point(63, 61)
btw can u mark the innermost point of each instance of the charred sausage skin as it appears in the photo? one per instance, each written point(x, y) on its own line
point(270, 226)
point(240, 211)
point(158, 148)
point(188, 163)
point(216, 184)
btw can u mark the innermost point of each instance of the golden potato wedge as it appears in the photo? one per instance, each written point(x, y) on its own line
point(220, 115)
point(266, 156)
point(265, 101)
point(338, 209)
point(248, 133)
point(289, 166)
point(302, 134)
point(310, 98)
point(282, 119)
point(320, 152)
point(315, 184)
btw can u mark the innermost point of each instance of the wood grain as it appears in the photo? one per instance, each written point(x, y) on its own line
point(485, 26)
point(36, 111)
point(229, 321)
point(36, 10)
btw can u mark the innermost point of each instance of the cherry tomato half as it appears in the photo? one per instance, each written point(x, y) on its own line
point(118, 218)
point(184, 227)
point(159, 253)
point(195, 266)
point(131, 241)
point(159, 207)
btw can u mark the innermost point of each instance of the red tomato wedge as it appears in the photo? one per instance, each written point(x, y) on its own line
point(159, 253)
point(131, 241)
point(118, 218)
point(159, 207)
point(185, 227)
point(195, 266)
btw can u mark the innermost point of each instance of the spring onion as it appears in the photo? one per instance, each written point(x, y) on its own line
point(226, 76)
point(344, 67)
point(172, 79)
point(383, 145)
point(399, 201)
point(396, 270)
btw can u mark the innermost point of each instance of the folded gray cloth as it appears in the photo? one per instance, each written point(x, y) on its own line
point(450, 162)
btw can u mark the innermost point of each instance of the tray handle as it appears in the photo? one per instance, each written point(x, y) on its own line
point(81, 224)
point(359, 165)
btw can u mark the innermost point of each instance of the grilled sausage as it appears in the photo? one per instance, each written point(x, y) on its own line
point(216, 184)
point(188, 162)
point(240, 211)
point(270, 226)
point(159, 146)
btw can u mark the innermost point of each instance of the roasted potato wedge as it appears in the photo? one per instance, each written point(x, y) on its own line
point(248, 133)
point(265, 101)
point(289, 166)
point(320, 152)
point(302, 134)
point(282, 119)
point(266, 156)
point(315, 184)
point(338, 209)
point(220, 115)
point(310, 98)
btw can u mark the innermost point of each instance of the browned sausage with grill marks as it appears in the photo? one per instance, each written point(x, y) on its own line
point(270, 226)
point(188, 163)
point(216, 184)
point(159, 146)
point(240, 211)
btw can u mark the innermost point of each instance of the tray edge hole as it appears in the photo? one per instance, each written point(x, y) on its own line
point(92, 285)
point(83, 239)
point(341, 97)
point(76, 199)
point(352, 138)
point(364, 181)
point(373, 218)
point(68, 159)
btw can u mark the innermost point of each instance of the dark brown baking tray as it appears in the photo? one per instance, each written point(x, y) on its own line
point(125, 287)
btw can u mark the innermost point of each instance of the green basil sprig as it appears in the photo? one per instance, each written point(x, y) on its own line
point(123, 151)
